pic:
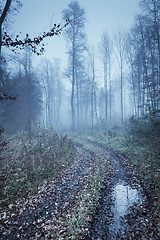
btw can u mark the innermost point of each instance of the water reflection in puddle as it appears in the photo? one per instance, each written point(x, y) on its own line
point(124, 197)
point(115, 204)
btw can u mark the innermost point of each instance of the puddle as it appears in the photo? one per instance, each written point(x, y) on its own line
point(115, 204)
point(108, 222)
point(124, 197)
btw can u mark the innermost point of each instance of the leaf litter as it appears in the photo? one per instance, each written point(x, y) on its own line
point(68, 207)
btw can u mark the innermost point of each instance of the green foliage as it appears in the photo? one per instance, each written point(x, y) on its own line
point(28, 164)
point(146, 127)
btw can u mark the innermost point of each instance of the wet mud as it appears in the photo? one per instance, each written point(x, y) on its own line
point(37, 217)
point(116, 201)
point(31, 218)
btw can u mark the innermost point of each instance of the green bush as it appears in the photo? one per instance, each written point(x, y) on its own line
point(143, 127)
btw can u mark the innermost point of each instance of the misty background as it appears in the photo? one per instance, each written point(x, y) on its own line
point(102, 69)
point(79, 115)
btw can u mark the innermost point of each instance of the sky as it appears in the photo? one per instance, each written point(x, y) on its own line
point(37, 16)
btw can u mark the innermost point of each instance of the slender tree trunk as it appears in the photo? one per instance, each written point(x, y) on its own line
point(121, 91)
point(77, 93)
point(139, 89)
point(59, 101)
point(72, 98)
point(0, 42)
point(156, 22)
point(92, 107)
point(27, 67)
point(72, 108)
point(105, 92)
point(134, 94)
point(110, 91)
point(73, 79)
point(2, 18)
point(95, 105)
point(143, 95)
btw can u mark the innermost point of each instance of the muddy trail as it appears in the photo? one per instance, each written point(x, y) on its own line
point(30, 219)
point(120, 213)
point(116, 201)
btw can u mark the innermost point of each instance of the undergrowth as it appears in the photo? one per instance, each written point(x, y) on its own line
point(143, 152)
point(77, 221)
point(79, 218)
point(26, 164)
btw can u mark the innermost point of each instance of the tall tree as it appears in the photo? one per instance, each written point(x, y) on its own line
point(52, 91)
point(76, 38)
point(22, 114)
point(150, 20)
point(120, 39)
point(8, 7)
point(92, 82)
point(106, 52)
point(2, 18)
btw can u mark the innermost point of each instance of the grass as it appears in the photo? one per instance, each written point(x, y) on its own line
point(27, 164)
point(78, 219)
point(144, 153)
point(141, 146)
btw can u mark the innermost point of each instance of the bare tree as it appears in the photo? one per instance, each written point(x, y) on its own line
point(2, 18)
point(105, 49)
point(92, 82)
point(52, 92)
point(120, 46)
point(76, 39)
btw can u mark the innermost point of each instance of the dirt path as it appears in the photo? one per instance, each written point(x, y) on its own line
point(30, 219)
point(38, 217)
point(116, 201)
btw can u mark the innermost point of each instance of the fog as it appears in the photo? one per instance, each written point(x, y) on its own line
point(99, 86)
point(79, 119)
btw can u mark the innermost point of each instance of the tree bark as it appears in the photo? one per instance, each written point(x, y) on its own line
point(2, 17)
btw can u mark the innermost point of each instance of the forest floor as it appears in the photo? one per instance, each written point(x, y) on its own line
point(99, 196)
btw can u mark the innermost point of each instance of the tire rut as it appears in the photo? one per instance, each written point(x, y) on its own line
point(27, 219)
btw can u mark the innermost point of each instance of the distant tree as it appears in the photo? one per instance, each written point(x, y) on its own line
point(92, 82)
point(105, 49)
point(130, 52)
point(149, 21)
point(143, 54)
point(77, 45)
point(8, 7)
point(22, 114)
point(120, 41)
point(52, 91)
point(58, 92)
point(151, 10)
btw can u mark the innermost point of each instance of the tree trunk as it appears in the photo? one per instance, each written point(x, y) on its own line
point(110, 91)
point(2, 17)
point(77, 95)
point(72, 97)
point(121, 91)
point(105, 92)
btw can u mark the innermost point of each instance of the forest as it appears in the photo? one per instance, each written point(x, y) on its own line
point(80, 144)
